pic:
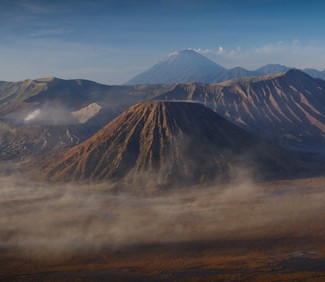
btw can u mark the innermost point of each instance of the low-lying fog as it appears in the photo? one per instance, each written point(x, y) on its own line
point(63, 218)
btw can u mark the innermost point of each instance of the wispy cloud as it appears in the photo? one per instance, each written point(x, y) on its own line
point(292, 53)
point(33, 7)
point(48, 32)
point(39, 7)
point(24, 19)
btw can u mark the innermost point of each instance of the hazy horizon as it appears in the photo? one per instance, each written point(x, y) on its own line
point(110, 41)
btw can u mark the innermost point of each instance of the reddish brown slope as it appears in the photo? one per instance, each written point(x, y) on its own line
point(167, 142)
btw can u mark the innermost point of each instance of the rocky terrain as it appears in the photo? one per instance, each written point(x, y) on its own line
point(287, 108)
point(168, 143)
point(19, 142)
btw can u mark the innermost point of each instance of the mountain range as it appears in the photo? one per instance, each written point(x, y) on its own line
point(190, 66)
point(42, 115)
point(178, 133)
point(285, 108)
point(168, 143)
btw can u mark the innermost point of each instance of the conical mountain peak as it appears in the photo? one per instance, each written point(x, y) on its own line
point(161, 142)
point(180, 66)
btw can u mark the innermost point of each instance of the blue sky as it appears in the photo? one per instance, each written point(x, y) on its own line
point(109, 41)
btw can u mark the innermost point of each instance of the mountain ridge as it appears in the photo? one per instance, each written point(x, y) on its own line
point(166, 142)
point(287, 108)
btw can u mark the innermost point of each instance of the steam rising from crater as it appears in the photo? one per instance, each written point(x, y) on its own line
point(50, 114)
point(57, 114)
point(53, 113)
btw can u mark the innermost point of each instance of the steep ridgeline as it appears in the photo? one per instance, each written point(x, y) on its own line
point(166, 143)
point(286, 108)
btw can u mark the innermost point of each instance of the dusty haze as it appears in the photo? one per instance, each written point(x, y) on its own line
point(57, 219)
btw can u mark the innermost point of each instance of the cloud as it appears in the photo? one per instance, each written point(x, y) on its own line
point(36, 7)
point(292, 53)
point(220, 50)
point(47, 32)
point(32, 7)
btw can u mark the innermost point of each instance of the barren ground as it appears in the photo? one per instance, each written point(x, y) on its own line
point(271, 232)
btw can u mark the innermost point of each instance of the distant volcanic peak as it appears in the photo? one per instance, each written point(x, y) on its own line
point(272, 69)
point(191, 56)
point(181, 66)
point(184, 52)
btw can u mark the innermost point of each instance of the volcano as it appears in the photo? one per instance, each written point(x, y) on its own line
point(165, 143)
point(180, 66)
